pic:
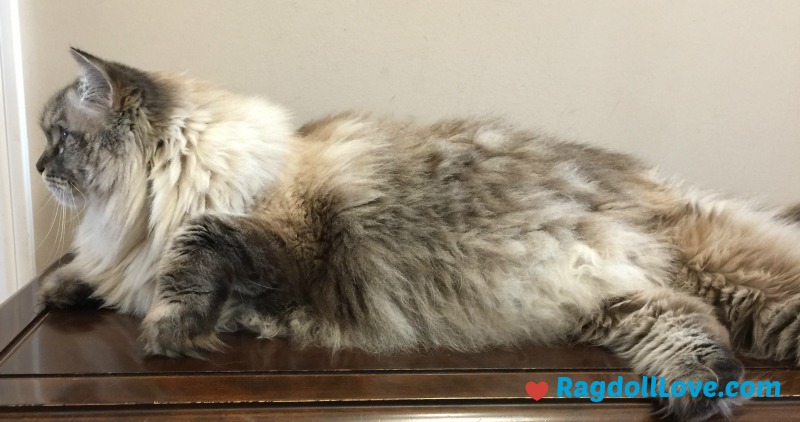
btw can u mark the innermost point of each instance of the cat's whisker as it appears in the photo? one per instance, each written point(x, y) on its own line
point(78, 213)
point(61, 233)
point(52, 223)
point(262, 286)
point(57, 222)
point(64, 233)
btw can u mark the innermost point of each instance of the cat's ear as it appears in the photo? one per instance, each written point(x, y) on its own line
point(95, 87)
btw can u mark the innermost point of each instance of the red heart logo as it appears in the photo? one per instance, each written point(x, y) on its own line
point(536, 390)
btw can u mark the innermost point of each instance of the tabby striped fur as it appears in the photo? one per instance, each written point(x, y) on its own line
point(207, 212)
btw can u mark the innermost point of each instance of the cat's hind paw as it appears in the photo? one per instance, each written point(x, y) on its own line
point(721, 368)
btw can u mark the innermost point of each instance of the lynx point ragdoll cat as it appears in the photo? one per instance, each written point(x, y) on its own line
point(206, 212)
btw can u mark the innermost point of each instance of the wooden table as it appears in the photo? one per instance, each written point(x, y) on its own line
point(86, 364)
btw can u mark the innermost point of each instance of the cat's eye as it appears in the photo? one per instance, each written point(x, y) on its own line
point(64, 134)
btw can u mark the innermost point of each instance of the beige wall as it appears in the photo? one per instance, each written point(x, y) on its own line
point(709, 90)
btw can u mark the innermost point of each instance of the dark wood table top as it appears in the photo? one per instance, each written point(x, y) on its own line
point(86, 364)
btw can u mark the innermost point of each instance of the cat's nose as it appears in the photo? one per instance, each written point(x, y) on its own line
point(40, 164)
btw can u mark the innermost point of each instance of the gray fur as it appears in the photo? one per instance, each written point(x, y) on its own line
point(364, 232)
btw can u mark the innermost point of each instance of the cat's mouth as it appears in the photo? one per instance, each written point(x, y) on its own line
point(64, 190)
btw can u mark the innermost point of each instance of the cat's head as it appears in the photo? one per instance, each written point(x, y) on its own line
point(96, 129)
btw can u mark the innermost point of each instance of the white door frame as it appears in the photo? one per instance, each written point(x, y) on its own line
point(17, 251)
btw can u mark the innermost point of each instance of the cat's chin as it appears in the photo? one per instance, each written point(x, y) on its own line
point(67, 196)
point(64, 191)
point(68, 200)
point(74, 203)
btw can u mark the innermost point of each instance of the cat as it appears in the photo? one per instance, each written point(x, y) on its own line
point(206, 211)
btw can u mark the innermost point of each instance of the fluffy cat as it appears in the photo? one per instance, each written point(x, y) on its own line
point(206, 211)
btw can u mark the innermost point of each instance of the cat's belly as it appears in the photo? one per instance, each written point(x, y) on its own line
point(545, 300)
point(558, 278)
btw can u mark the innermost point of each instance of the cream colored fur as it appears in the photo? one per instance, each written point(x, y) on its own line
point(207, 211)
point(220, 153)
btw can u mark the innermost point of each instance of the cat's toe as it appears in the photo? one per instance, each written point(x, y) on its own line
point(69, 294)
point(168, 330)
point(700, 404)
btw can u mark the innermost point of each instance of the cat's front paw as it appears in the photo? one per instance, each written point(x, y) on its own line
point(169, 329)
point(61, 289)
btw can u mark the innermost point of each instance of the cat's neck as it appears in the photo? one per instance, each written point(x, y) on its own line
point(112, 227)
point(218, 152)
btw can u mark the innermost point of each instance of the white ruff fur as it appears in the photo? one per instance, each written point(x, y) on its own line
point(219, 154)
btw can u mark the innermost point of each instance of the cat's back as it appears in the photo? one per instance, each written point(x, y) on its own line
point(452, 181)
point(475, 159)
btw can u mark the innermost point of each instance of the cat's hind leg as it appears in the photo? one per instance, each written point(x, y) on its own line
point(672, 335)
point(747, 265)
point(217, 267)
point(760, 307)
